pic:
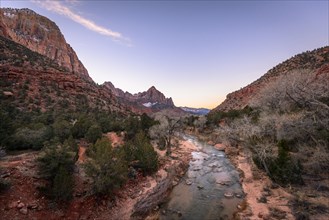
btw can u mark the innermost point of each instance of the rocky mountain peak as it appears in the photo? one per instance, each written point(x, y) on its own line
point(41, 35)
point(151, 99)
point(116, 91)
point(155, 96)
point(152, 88)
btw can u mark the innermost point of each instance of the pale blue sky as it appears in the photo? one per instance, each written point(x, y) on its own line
point(193, 51)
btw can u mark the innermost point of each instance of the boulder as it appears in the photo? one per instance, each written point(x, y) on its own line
point(23, 210)
point(8, 93)
point(220, 147)
point(20, 205)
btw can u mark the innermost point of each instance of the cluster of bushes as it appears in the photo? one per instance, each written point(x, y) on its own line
point(281, 168)
point(286, 128)
point(56, 134)
point(4, 184)
point(108, 167)
point(215, 117)
point(30, 130)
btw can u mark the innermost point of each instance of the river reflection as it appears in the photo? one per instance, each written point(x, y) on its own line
point(210, 188)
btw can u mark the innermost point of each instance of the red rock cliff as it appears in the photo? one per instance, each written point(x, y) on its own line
point(41, 35)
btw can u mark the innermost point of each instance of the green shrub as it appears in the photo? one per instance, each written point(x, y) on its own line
point(5, 126)
point(94, 132)
point(142, 153)
point(56, 165)
point(105, 123)
point(282, 169)
point(131, 125)
point(27, 138)
point(63, 185)
point(213, 118)
point(81, 127)
point(62, 129)
point(107, 167)
point(4, 184)
point(146, 122)
point(72, 144)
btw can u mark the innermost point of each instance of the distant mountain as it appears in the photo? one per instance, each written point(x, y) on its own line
point(149, 101)
point(196, 111)
point(317, 60)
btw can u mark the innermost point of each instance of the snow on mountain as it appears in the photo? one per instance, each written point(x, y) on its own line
point(150, 104)
point(196, 111)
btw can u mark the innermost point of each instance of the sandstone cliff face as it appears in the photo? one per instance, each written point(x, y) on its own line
point(32, 81)
point(41, 35)
point(116, 91)
point(37, 64)
point(315, 60)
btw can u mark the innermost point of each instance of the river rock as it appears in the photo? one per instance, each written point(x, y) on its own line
point(237, 195)
point(224, 183)
point(228, 195)
point(210, 143)
point(200, 187)
point(220, 147)
point(213, 165)
point(188, 182)
point(174, 155)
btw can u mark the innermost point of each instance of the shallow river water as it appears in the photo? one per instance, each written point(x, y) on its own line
point(210, 188)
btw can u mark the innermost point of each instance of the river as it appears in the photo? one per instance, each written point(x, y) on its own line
point(210, 188)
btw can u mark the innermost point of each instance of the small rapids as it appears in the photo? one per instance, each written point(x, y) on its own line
point(210, 188)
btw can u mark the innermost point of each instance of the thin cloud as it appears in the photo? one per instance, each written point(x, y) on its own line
point(60, 8)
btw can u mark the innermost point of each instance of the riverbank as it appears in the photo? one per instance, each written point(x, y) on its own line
point(264, 200)
point(135, 200)
point(153, 189)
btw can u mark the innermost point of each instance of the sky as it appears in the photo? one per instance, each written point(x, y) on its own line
point(193, 51)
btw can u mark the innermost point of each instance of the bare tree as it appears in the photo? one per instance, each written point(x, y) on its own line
point(165, 129)
point(200, 122)
point(296, 89)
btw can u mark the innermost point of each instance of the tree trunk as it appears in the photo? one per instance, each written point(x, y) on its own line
point(169, 146)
